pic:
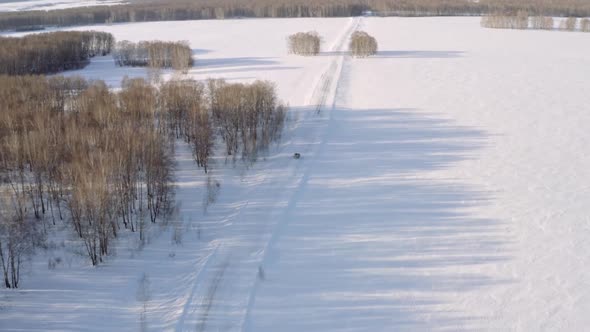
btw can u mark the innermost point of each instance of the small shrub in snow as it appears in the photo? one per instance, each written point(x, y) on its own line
point(213, 188)
point(177, 233)
point(362, 44)
point(261, 275)
point(304, 43)
point(52, 263)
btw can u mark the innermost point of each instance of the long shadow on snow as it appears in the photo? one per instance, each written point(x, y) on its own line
point(417, 54)
point(236, 62)
point(372, 244)
point(199, 51)
point(199, 70)
point(242, 64)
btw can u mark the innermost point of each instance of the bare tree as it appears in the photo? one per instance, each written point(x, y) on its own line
point(16, 241)
point(304, 43)
point(362, 44)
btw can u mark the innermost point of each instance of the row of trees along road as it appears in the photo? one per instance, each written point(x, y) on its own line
point(361, 44)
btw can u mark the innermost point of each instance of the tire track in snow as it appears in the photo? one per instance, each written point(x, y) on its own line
point(208, 281)
point(210, 297)
point(323, 97)
point(203, 273)
point(196, 283)
point(321, 91)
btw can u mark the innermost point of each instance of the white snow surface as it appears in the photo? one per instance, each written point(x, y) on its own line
point(27, 5)
point(443, 185)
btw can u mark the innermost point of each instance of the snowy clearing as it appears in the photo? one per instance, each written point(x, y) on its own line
point(443, 185)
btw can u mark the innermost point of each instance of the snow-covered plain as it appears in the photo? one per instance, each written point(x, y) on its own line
point(26, 5)
point(443, 186)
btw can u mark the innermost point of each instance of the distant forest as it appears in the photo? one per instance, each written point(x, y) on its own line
point(158, 10)
point(52, 52)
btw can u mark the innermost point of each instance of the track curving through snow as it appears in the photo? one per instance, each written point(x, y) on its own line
point(323, 98)
point(224, 288)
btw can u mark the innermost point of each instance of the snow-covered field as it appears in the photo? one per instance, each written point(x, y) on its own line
point(25, 5)
point(443, 186)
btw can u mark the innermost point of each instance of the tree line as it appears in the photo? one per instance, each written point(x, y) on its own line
point(157, 54)
point(522, 20)
point(52, 52)
point(101, 162)
point(158, 10)
point(571, 24)
point(542, 22)
point(518, 21)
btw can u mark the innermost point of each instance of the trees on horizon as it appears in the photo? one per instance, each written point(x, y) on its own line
point(158, 10)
